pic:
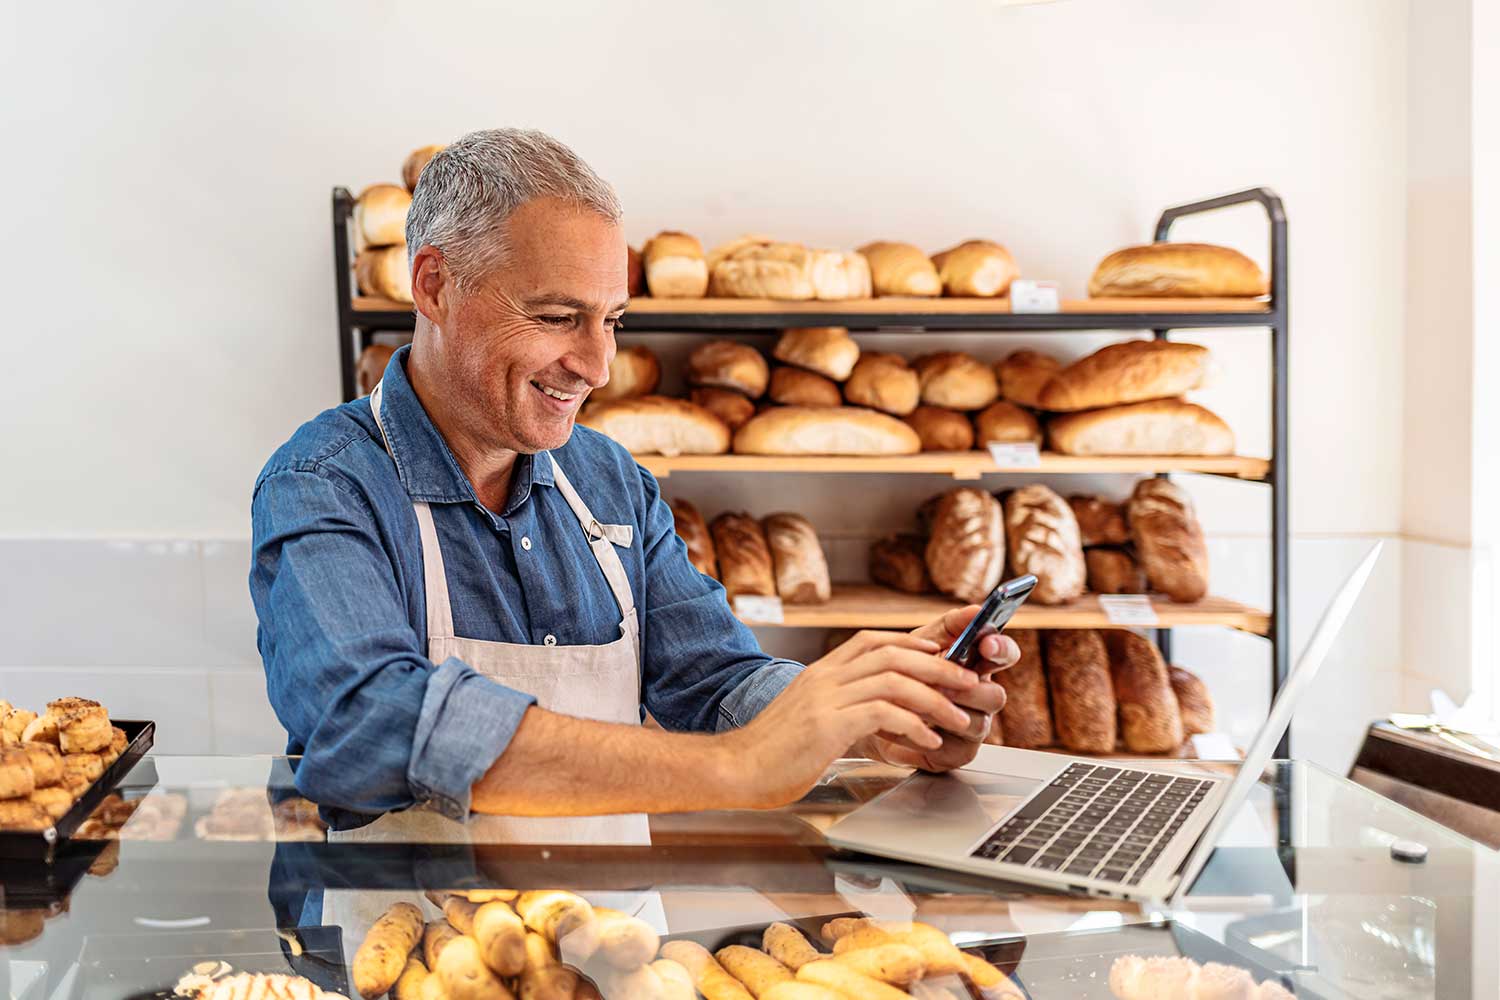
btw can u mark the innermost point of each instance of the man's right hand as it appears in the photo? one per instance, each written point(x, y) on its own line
point(877, 683)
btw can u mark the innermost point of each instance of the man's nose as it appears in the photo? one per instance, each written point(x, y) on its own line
point(589, 359)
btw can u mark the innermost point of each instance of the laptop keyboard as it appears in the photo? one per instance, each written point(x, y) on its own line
point(1098, 822)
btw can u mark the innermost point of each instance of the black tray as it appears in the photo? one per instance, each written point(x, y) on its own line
point(42, 845)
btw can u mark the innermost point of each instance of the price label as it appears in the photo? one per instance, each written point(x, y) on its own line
point(1015, 455)
point(758, 608)
point(1127, 609)
point(1028, 296)
point(1214, 746)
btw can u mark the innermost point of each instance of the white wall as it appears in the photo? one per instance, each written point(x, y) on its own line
point(174, 311)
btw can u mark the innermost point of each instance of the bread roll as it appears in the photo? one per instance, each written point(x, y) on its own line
point(797, 556)
point(371, 366)
point(827, 350)
point(883, 381)
point(837, 276)
point(1024, 374)
point(383, 273)
point(1169, 540)
point(411, 170)
point(745, 565)
point(657, 425)
point(1005, 423)
point(788, 946)
point(724, 251)
point(966, 552)
point(692, 529)
point(1042, 538)
point(382, 953)
point(674, 265)
point(1026, 718)
point(634, 371)
point(729, 365)
point(940, 429)
point(901, 269)
point(1178, 269)
point(1100, 521)
point(976, 268)
point(753, 967)
point(380, 216)
point(1159, 427)
point(1114, 571)
point(844, 430)
point(900, 561)
point(635, 272)
point(1132, 372)
point(795, 387)
point(734, 408)
point(1149, 717)
point(763, 271)
point(1083, 694)
point(708, 975)
point(17, 780)
point(1194, 703)
point(956, 380)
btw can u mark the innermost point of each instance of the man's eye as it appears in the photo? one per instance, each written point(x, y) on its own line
point(615, 323)
point(557, 320)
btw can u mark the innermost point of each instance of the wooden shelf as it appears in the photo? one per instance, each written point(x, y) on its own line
point(948, 306)
point(964, 465)
point(867, 605)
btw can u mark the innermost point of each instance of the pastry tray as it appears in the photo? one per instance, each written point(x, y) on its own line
point(147, 966)
point(43, 845)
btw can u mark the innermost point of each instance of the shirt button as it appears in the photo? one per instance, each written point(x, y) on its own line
point(526, 542)
point(551, 640)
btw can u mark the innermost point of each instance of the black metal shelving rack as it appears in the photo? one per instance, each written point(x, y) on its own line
point(357, 327)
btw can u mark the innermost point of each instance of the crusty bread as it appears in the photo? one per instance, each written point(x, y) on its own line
point(797, 557)
point(1149, 719)
point(411, 170)
point(837, 276)
point(693, 530)
point(744, 556)
point(763, 271)
point(380, 216)
point(729, 365)
point(1169, 540)
point(1158, 427)
point(940, 429)
point(1083, 694)
point(1026, 717)
point(1131, 372)
point(1178, 269)
point(383, 272)
point(1042, 539)
point(674, 265)
point(966, 548)
point(1194, 703)
point(799, 387)
point(975, 268)
point(1003, 422)
point(1100, 521)
point(734, 408)
point(843, 430)
point(900, 561)
point(371, 366)
point(634, 371)
point(827, 350)
point(901, 269)
point(635, 272)
point(883, 381)
point(657, 425)
point(956, 380)
point(1114, 571)
point(1024, 374)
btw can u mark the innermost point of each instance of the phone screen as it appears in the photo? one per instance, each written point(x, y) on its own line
point(992, 618)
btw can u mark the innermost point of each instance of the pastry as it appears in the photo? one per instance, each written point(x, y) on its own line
point(1113, 571)
point(729, 365)
point(79, 770)
point(1194, 703)
point(1042, 539)
point(1169, 540)
point(1131, 372)
point(796, 387)
point(1024, 374)
point(940, 429)
point(55, 801)
point(634, 371)
point(370, 368)
point(42, 729)
point(900, 561)
point(844, 430)
point(266, 986)
point(1178, 269)
point(1158, 427)
point(976, 268)
point(966, 550)
point(384, 272)
point(23, 815)
point(13, 721)
point(411, 170)
point(16, 778)
point(380, 216)
point(1083, 694)
point(901, 269)
point(1003, 422)
point(86, 735)
point(797, 557)
point(883, 381)
point(1100, 521)
point(745, 565)
point(956, 380)
point(635, 272)
point(674, 265)
point(693, 530)
point(68, 711)
point(827, 350)
point(45, 761)
point(656, 425)
point(1026, 718)
point(118, 741)
point(734, 408)
point(1149, 718)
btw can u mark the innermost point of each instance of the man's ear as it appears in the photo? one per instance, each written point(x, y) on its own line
point(432, 288)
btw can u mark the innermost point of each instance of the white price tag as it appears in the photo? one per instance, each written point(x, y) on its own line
point(1214, 746)
point(1015, 455)
point(1028, 296)
point(758, 608)
point(1127, 609)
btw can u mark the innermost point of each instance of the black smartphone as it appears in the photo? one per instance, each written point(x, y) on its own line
point(992, 618)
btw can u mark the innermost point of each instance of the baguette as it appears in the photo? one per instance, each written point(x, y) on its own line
point(757, 970)
point(381, 956)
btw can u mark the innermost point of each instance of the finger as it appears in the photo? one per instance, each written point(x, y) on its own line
point(985, 696)
point(925, 667)
point(882, 717)
point(950, 625)
point(953, 753)
point(868, 640)
point(998, 652)
point(910, 694)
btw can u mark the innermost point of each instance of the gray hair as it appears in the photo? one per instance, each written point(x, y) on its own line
point(467, 192)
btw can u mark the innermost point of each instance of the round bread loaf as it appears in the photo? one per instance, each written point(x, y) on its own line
point(674, 266)
point(693, 530)
point(797, 387)
point(729, 365)
point(1083, 694)
point(745, 565)
point(1169, 540)
point(1042, 538)
point(883, 381)
point(411, 170)
point(797, 557)
point(734, 408)
point(1026, 718)
point(940, 429)
point(657, 425)
point(1149, 718)
point(956, 380)
point(384, 273)
point(1003, 422)
point(901, 269)
point(380, 216)
point(975, 268)
point(634, 371)
point(966, 548)
point(1024, 374)
point(900, 561)
point(843, 430)
point(827, 350)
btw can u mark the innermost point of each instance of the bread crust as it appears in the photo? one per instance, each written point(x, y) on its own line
point(1083, 695)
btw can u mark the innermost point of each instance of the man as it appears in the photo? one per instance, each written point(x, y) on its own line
point(465, 601)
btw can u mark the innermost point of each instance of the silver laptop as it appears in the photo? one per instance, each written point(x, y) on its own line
point(1078, 823)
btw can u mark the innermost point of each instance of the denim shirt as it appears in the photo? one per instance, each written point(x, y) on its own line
point(337, 583)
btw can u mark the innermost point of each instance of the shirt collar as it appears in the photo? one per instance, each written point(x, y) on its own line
point(424, 462)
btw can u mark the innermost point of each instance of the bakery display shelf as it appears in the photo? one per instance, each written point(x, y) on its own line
point(962, 465)
point(868, 605)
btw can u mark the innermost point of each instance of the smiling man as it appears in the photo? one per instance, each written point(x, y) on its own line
point(465, 601)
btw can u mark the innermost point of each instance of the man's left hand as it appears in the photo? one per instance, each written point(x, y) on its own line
point(982, 701)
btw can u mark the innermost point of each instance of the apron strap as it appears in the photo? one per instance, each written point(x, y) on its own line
point(605, 554)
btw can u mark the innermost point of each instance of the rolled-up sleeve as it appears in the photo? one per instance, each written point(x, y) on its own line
point(378, 725)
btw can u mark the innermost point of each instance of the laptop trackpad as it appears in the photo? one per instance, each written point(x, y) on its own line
point(935, 813)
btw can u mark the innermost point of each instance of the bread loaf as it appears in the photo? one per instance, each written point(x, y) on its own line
point(1026, 717)
point(635, 272)
point(827, 350)
point(674, 265)
point(745, 565)
point(693, 530)
point(1100, 521)
point(956, 380)
point(729, 365)
point(900, 561)
point(380, 216)
point(1042, 538)
point(966, 550)
point(763, 271)
point(1024, 374)
point(1003, 422)
point(734, 408)
point(975, 268)
point(883, 381)
point(656, 425)
point(843, 430)
point(418, 158)
point(1178, 269)
point(1149, 719)
point(796, 387)
point(837, 276)
point(940, 429)
point(1083, 694)
point(1159, 427)
point(1193, 701)
point(634, 371)
point(797, 557)
point(1132, 372)
point(1169, 540)
point(371, 367)
point(383, 273)
point(1114, 571)
point(901, 269)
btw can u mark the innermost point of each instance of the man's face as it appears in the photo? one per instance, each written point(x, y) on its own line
point(526, 343)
